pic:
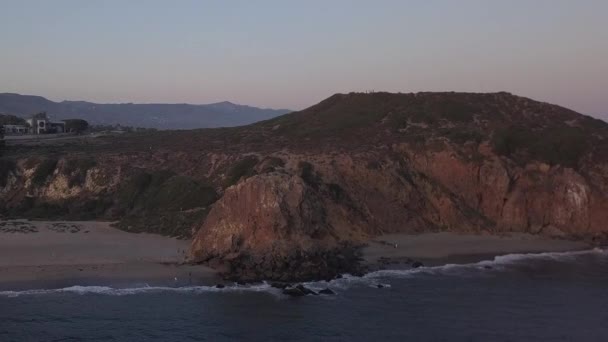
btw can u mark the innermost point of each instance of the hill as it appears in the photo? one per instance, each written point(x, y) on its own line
point(292, 197)
point(160, 116)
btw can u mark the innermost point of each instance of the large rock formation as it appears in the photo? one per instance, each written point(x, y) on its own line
point(272, 226)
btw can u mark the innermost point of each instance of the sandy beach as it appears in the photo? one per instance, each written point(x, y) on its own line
point(397, 250)
point(41, 254)
point(56, 254)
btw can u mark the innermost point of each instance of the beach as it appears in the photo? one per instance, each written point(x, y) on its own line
point(49, 254)
point(42, 254)
point(432, 249)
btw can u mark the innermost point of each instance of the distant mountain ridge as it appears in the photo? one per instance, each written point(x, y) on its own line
point(152, 115)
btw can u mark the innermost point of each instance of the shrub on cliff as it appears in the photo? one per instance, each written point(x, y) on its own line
point(162, 202)
point(77, 168)
point(461, 136)
point(128, 192)
point(308, 174)
point(563, 145)
point(271, 164)
point(45, 168)
point(174, 223)
point(6, 167)
point(451, 110)
point(179, 193)
point(243, 168)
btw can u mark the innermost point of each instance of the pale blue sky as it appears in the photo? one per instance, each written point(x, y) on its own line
point(294, 53)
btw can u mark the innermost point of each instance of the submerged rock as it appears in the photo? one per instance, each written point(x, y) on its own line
point(294, 292)
point(298, 291)
point(417, 264)
point(327, 291)
point(306, 290)
point(278, 285)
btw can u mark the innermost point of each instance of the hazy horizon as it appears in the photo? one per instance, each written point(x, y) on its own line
point(272, 54)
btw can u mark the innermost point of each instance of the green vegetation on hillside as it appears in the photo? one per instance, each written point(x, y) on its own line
point(6, 167)
point(309, 175)
point(243, 168)
point(162, 202)
point(443, 109)
point(45, 168)
point(76, 169)
point(271, 164)
point(162, 190)
point(563, 145)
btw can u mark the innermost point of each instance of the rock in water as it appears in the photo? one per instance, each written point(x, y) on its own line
point(294, 292)
point(278, 285)
point(327, 292)
point(417, 264)
point(219, 286)
point(306, 290)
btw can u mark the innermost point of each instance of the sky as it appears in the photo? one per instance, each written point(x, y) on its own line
point(292, 54)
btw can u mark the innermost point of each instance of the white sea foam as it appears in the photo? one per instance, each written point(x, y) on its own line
point(380, 277)
point(497, 263)
point(347, 281)
point(106, 290)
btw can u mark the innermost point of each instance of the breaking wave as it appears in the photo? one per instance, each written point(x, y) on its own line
point(497, 263)
point(378, 278)
point(106, 290)
point(372, 279)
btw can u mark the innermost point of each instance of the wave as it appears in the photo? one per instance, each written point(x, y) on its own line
point(497, 262)
point(372, 279)
point(107, 290)
point(378, 278)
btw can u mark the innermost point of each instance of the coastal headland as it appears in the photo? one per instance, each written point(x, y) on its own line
point(299, 196)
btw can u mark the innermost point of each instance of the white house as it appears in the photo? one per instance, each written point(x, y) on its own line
point(15, 129)
point(41, 124)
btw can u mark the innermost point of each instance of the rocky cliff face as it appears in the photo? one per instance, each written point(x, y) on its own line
point(519, 198)
point(292, 198)
point(273, 226)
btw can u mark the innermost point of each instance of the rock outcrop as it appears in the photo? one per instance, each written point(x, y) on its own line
point(272, 226)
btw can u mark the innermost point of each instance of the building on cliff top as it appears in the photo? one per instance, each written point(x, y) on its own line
point(41, 124)
point(16, 129)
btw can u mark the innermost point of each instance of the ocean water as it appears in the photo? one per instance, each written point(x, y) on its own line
point(523, 297)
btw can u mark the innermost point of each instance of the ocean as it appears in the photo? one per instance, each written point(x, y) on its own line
point(519, 297)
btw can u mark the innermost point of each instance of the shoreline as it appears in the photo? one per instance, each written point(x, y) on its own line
point(401, 251)
point(60, 254)
point(43, 254)
point(113, 275)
